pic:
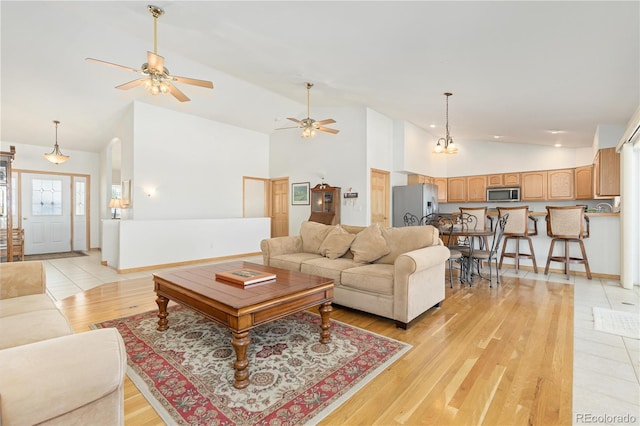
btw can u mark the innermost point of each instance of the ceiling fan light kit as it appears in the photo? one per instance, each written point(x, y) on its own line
point(55, 156)
point(308, 125)
point(445, 145)
point(156, 78)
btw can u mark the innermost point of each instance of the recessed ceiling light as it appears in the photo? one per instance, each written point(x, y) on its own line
point(497, 137)
point(555, 132)
point(433, 126)
point(558, 145)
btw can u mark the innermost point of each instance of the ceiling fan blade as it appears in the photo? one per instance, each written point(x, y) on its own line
point(328, 130)
point(193, 81)
point(155, 61)
point(131, 84)
point(177, 93)
point(122, 67)
point(295, 120)
point(283, 128)
point(327, 121)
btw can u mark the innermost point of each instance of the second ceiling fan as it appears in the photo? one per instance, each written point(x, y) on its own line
point(308, 125)
point(156, 78)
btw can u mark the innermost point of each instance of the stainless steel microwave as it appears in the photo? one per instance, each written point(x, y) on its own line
point(503, 194)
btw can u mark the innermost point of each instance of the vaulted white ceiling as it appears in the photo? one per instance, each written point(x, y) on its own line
point(517, 69)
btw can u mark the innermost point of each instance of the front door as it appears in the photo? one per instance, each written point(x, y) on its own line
point(46, 213)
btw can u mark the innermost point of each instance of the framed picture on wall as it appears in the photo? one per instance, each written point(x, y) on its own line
point(126, 193)
point(300, 193)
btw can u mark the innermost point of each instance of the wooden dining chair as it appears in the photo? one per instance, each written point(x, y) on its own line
point(491, 254)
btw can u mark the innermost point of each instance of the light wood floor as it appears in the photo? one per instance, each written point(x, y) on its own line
point(501, 356)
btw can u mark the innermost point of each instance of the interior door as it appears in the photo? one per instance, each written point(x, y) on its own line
point(46, 215)
point(380, 197)
point(279, 207)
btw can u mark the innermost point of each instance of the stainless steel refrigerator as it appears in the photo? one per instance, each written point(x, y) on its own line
point(419, 200)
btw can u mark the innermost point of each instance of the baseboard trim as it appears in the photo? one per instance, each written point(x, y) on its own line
point(187, 262)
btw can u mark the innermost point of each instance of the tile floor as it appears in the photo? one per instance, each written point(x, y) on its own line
point(606, 380)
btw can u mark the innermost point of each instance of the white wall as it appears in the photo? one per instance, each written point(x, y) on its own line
point(340, 159)
point(194, 166)
point(30, 158)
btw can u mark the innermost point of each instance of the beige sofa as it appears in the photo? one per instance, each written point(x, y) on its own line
point(397, 273)
point(48, 375)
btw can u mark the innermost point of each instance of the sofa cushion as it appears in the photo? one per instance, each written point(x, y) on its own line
point(369, 245)
point(313, 234)
point(328, 268)
point(405, 239)
point(337, 243)
point(374, 278)
point(291, 261)
point(30, 303)
point(29, 327)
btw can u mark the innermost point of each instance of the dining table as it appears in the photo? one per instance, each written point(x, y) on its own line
point(459, 231)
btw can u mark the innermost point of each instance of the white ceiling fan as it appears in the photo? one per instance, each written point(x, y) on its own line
point(156, 78)
point(308, 125)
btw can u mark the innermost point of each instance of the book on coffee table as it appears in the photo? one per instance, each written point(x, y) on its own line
point(245, 276)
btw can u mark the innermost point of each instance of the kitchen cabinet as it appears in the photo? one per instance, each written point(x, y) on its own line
point(533, 186)
point(457, 189)
point(583, 180)
point(560, 184)
point(503, 179)
point(495, 180)
point(606, 170)
point(415, 179)
point(511, 179)
point(442, 184)
point(477, 188)
point(325, 204)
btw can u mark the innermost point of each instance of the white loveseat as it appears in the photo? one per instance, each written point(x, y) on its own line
point(397, 273)
point(48, 374)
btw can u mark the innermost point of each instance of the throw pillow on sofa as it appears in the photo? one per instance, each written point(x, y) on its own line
point(369, 245)
point(336, 244)
point(313, 234)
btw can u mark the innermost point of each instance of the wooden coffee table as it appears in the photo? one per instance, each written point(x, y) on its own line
point(241, 309)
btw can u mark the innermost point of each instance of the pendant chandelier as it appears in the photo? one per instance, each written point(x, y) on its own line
point(55, 156)
point(446, 145)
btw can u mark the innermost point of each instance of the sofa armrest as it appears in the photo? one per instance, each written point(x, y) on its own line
point(418, 281)
point(22, 279)
point(51, 378)
point(280, 245)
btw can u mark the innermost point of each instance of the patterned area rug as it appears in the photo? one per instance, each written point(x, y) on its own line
point(625, 324)
point(186, 372)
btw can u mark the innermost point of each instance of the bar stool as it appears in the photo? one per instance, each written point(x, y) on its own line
point(517, 229)
point(566, 224)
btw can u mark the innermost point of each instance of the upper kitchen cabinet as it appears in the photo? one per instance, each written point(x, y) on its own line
point(503, 179)
point(477, 188)
point(442, 189)
point(457, 190)
point(533, 186)
point(583, 180)
point(606, 171)
point(560, 184)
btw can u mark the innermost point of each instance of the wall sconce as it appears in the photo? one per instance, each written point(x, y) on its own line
point(149, 192)
point(115, 204)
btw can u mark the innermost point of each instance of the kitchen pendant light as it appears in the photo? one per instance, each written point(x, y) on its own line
point(55, 156)
point(445, 145)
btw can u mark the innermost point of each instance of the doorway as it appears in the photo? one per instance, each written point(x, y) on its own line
point(53, 211)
